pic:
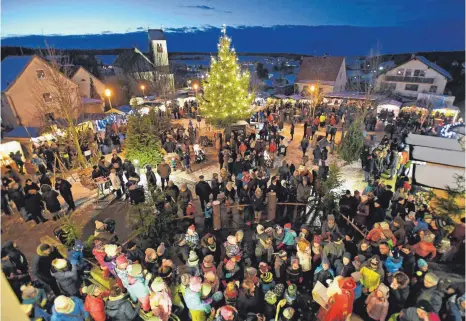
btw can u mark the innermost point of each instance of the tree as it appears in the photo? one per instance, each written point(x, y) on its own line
point(449, 205)
point(58, 98)
point(353, 141)
point(331, 188)
point(92, 90)
point(143, 137)
point(262, 73)
point(226, 97)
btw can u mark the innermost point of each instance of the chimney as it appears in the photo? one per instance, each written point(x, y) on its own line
point(325, 55)
point(413, 55)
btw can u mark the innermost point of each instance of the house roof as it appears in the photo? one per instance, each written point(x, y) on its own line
point(319, 68)
point(436, 67)
point(106, 60)
point(129, 57)
point(12, 67)
point(22, 132)
point(156, 34)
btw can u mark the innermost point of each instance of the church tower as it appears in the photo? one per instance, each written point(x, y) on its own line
point(158, 48)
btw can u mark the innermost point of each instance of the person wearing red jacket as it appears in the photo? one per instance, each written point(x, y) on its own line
point(340, 302)
point(94, 303)
point(425, 247)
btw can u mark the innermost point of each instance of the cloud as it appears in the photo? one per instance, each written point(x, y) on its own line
point(140, 28)
point(106, 32)
point(202, 7)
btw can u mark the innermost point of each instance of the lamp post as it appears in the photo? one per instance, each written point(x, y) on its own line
point(312, 101)
point(198, 118)
point(142, 88)
point(108, 93)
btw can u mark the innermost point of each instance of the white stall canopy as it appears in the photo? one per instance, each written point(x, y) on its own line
point(436, 176)
point(390, 105)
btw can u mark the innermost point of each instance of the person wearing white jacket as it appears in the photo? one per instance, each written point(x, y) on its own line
point(116, 184)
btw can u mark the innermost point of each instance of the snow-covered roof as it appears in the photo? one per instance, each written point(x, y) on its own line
point(21, 132)
point(351, 95)
point(434, 66)
point(434, 142)
point(12, 67)
point(319, 69)
point(438, 156)
point(106, 60)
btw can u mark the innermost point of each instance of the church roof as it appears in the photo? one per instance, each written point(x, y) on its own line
point(133, 58)
point(156, 34)
point(319, 68)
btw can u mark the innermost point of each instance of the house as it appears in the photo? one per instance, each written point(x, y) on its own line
point(85, 80)
point(329, 73)
point(30, 89)
point(106, 64)
point(418, 75)
point(153, 71)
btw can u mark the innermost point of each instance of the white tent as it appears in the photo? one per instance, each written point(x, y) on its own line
point(296, 97)
point(390, 105)
point(281, 96)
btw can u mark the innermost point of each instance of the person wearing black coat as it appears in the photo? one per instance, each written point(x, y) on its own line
point(64, 187)
point(16, 256)
point(119, 307)
point(203, 190)
point(52, 203)
point(150, 178)
point(399, 292)
point(128, 168)
point(245, 199)
point(16, 195)
point(221, 158)
point(385, 197)
point(136, 194)
point(42, 264)
point(14, 276)
point(215, 186)
point(134, 253)
point(249, 299)
point(67, 277)
point(34, 206)
point(368, 168)
point(28, 184)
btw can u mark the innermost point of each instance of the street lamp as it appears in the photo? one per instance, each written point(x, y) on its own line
point(142, 88)
point(313, 88)
point(195, 86)
point(108, 93)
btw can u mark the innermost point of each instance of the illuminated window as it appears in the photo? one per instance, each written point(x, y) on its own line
point(40, 74)
point(400, 72)
point(411, 87)
point(47, 97)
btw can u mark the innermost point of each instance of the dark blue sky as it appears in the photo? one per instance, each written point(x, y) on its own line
point(343, 27)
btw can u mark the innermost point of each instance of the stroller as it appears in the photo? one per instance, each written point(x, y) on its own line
point(199, 153)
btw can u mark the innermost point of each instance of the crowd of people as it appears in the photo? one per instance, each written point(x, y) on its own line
point(376, 258)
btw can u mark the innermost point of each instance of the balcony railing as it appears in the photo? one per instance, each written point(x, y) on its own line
point(416, 80)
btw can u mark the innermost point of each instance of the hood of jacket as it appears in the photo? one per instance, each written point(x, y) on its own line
point(113, 305)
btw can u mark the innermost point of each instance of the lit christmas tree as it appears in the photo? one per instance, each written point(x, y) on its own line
point(226, 97)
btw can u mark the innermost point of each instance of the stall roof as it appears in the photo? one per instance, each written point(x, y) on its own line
point(21, 132)
point(86, 100)
point(390, 102)
point(436, 176)
point(438, 156)
point(296, 97)
point(281, 96)
point(434, 142)
point(125, 108)
point(352, 95)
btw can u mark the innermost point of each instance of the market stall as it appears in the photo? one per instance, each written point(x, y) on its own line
point(389, 105)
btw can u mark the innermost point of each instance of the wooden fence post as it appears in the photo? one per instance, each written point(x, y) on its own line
point(271, 206)
point(216, 215)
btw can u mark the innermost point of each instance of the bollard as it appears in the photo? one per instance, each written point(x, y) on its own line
point(216, 215)
point(271, 206)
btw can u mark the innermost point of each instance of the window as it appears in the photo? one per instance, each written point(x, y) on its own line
point(47, 97)
point(388, 86)
point(400, 72)
point(40, 74)
point(419, 73)
point(411, 87)
point(433, 89)
point(409, 72)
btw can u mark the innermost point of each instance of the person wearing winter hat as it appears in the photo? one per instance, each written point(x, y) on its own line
point(288, 242)
point(399, 292)
point(288, 314)
point(212, 278)
point(94, 303)
point(418, 278)
point(230, 271)
point(377, 303)
point(279, 290)
point(151, 262)
point(356, 276)
point(134, 253)
point(161, 251)
point(280, 265)
point(278, 234)
point(231, 293)
point(372, 274)
point(231, 249)
point(303, 253)
point(425, 248)
point(294, 272)
point(409, 260)
point(226, 313)
point(266, 282)
point(344, 267)
point(264, 249)
point(420, 312)
point(324, 272)
point(208, 264)
point(198, 309)
point(335, 249)
point(121, 265)
point(111, 253)
point(394, 262)
point(250, 273)
point(68, 309)
point(138, 285)
point(193, 264)
point(430, 292)
point(68, 280)
point(160, 300)
point(329, 227)
point(270, 305)
point(191, 238)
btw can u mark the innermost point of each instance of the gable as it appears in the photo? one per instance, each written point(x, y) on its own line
point(11, 69)
point(430, 65)
point(319, 69)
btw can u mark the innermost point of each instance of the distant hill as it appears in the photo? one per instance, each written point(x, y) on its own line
point(311, 40)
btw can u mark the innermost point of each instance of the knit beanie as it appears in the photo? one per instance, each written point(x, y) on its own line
point(193, 259)
point(270, 297)
point(421, 263)
point(267, 277)
point(303, 244)
point(288, 313)
point(292, 290)
point(231, 291)
point(279, 289)
point(195, 284)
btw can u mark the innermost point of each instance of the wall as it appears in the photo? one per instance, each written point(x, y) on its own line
point(325, 88)
point(160, 58)
point(8, 116)
point(439, 80)
point(82, 79)
point(26, 91)
point(340, 82)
